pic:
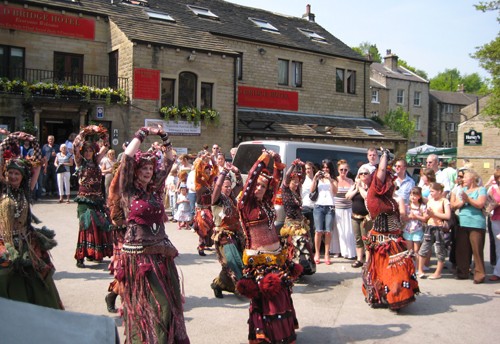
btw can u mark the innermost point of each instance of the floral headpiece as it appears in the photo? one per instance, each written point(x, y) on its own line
point(19, 164)
point(145, 158)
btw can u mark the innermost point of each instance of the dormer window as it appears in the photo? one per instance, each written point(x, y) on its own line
point(160, 16)
point(264, 25)
point(203, 12)
point(313, 36)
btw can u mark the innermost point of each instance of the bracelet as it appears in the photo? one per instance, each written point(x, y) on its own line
point(224, 171)
point(141, 134)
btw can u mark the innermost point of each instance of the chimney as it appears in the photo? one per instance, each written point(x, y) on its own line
point(308, 15)
point(461, 88)
point(391, 60)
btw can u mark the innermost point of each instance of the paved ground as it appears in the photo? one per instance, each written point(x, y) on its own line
point(329, 305)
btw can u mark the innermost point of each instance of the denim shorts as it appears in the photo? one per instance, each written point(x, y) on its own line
point(416, 236)
point(323, 218)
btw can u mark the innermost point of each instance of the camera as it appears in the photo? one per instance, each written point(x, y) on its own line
point(321, 174)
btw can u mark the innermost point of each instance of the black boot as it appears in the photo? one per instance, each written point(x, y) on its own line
point(217, 291)
point(110, 302)
point(201, 251)
point(80, 264)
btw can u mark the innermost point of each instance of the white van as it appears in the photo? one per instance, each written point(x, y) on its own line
point(249, 151)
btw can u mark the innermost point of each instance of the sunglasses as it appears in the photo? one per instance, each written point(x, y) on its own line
point(343, 169)
point(363, 173)
point(398, 166)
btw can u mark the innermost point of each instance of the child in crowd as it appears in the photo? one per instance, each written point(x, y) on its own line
point(183, 213)
point(438, 211)
point(416, 219)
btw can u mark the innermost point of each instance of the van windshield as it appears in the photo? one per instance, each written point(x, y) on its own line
point(354, 159)
point(246, 155)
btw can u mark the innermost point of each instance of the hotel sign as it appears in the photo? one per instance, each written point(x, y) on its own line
point(267, 98)
point(17, 18)
point(473, 138)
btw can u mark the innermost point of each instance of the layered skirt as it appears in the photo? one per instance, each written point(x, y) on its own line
point(295, 234)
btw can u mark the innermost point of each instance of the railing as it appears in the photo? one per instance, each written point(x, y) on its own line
point(50, 76)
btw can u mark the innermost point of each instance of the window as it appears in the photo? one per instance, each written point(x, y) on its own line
point(68, 68)
point(374, 113)
point(203, 12)
point(113, 69)
point(11, 62)
point(448, 108)
point(400, 97)
point(167, 92)
point(351, 82)
point(297, 74)
point(160, 16)
point(345, 81)
point(339, 82)
point(313, 36)
point(206, 95)
point(416, 98)
point(187, 89)
point(370, 131)
point(417, 122)
point(239, 67)
point(375, 94)
point(264, 25)
point(452, 127)
point(283, 72)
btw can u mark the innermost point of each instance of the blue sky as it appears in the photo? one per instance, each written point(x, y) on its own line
point(431, 35)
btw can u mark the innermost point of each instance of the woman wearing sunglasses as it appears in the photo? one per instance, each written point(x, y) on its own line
point(343, 212)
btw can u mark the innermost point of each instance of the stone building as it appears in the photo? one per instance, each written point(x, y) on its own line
point(445, 115)
point(250, 73)
point(394, 86)
point(478, 141)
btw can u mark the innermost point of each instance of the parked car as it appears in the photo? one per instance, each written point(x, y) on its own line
point(249, 151)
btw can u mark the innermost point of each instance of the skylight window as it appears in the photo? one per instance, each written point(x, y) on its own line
point(264, 25)
point(136, 2)
point(370, 131)
point(160, 16)
point(313, 36)
point(203, 12)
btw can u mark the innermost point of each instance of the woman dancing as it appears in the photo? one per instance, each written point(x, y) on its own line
point(389, 278)
point(94, 237)
point(149, 283)
point(228, 236)
point(295, 231)
point(268, 275)
point(25, 267)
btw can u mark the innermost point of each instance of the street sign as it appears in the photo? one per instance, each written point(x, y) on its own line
point(100, 112)
point(473, 138)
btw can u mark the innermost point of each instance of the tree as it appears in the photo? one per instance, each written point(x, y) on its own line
point(369, 50)
point(446, 81)
point(489, 59)
point(399, 121)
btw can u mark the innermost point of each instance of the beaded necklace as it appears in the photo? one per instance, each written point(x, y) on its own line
point(19, 199)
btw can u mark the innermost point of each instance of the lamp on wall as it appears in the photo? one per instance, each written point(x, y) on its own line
point(191, 57)
point(262, 51)
point(322, 61)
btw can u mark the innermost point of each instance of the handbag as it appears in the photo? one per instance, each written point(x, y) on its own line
point(314, 195)
point(61, 169)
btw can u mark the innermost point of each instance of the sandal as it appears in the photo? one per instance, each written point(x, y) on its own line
point(60, 201)
point(494, 278)
point(357, 264)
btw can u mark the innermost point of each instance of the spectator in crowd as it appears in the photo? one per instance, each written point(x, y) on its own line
point(450, 172)
point(492, 180)
point(494, 194)
point(343, 212)
point(171, 186)
point(49, 152)
point(64, 161)
point(432, 162)
point(69, 143)
point(472, 232)
point(324, 210)
point(456, 203)
point(233, 152)
point(427, 176)
point(107, 166)
point(360, 221)
point(372, 156)
point(403, 181)
point(307, 202)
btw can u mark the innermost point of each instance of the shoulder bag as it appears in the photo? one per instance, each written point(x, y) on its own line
point(314, 195)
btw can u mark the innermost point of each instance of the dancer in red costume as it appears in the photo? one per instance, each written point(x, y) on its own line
point(389, 278)
point(268, 275)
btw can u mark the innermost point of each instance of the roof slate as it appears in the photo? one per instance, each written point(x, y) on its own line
point(253, 122)
point(457, 98)
point(401, 73)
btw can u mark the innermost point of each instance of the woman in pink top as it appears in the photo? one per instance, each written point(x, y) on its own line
point(494, 193)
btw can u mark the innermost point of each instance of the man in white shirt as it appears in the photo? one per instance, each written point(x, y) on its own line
point(442, 178)
point(404, 182)
point(372, 156)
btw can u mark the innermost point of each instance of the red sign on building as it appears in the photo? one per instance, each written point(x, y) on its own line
point(146, 84)
point(18, 18)
point(267, 98)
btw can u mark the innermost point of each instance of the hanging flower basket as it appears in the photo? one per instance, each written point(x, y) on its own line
point(190, 114)
point(62, 91)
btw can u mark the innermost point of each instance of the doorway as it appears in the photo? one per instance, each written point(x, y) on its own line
point(60, 128)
